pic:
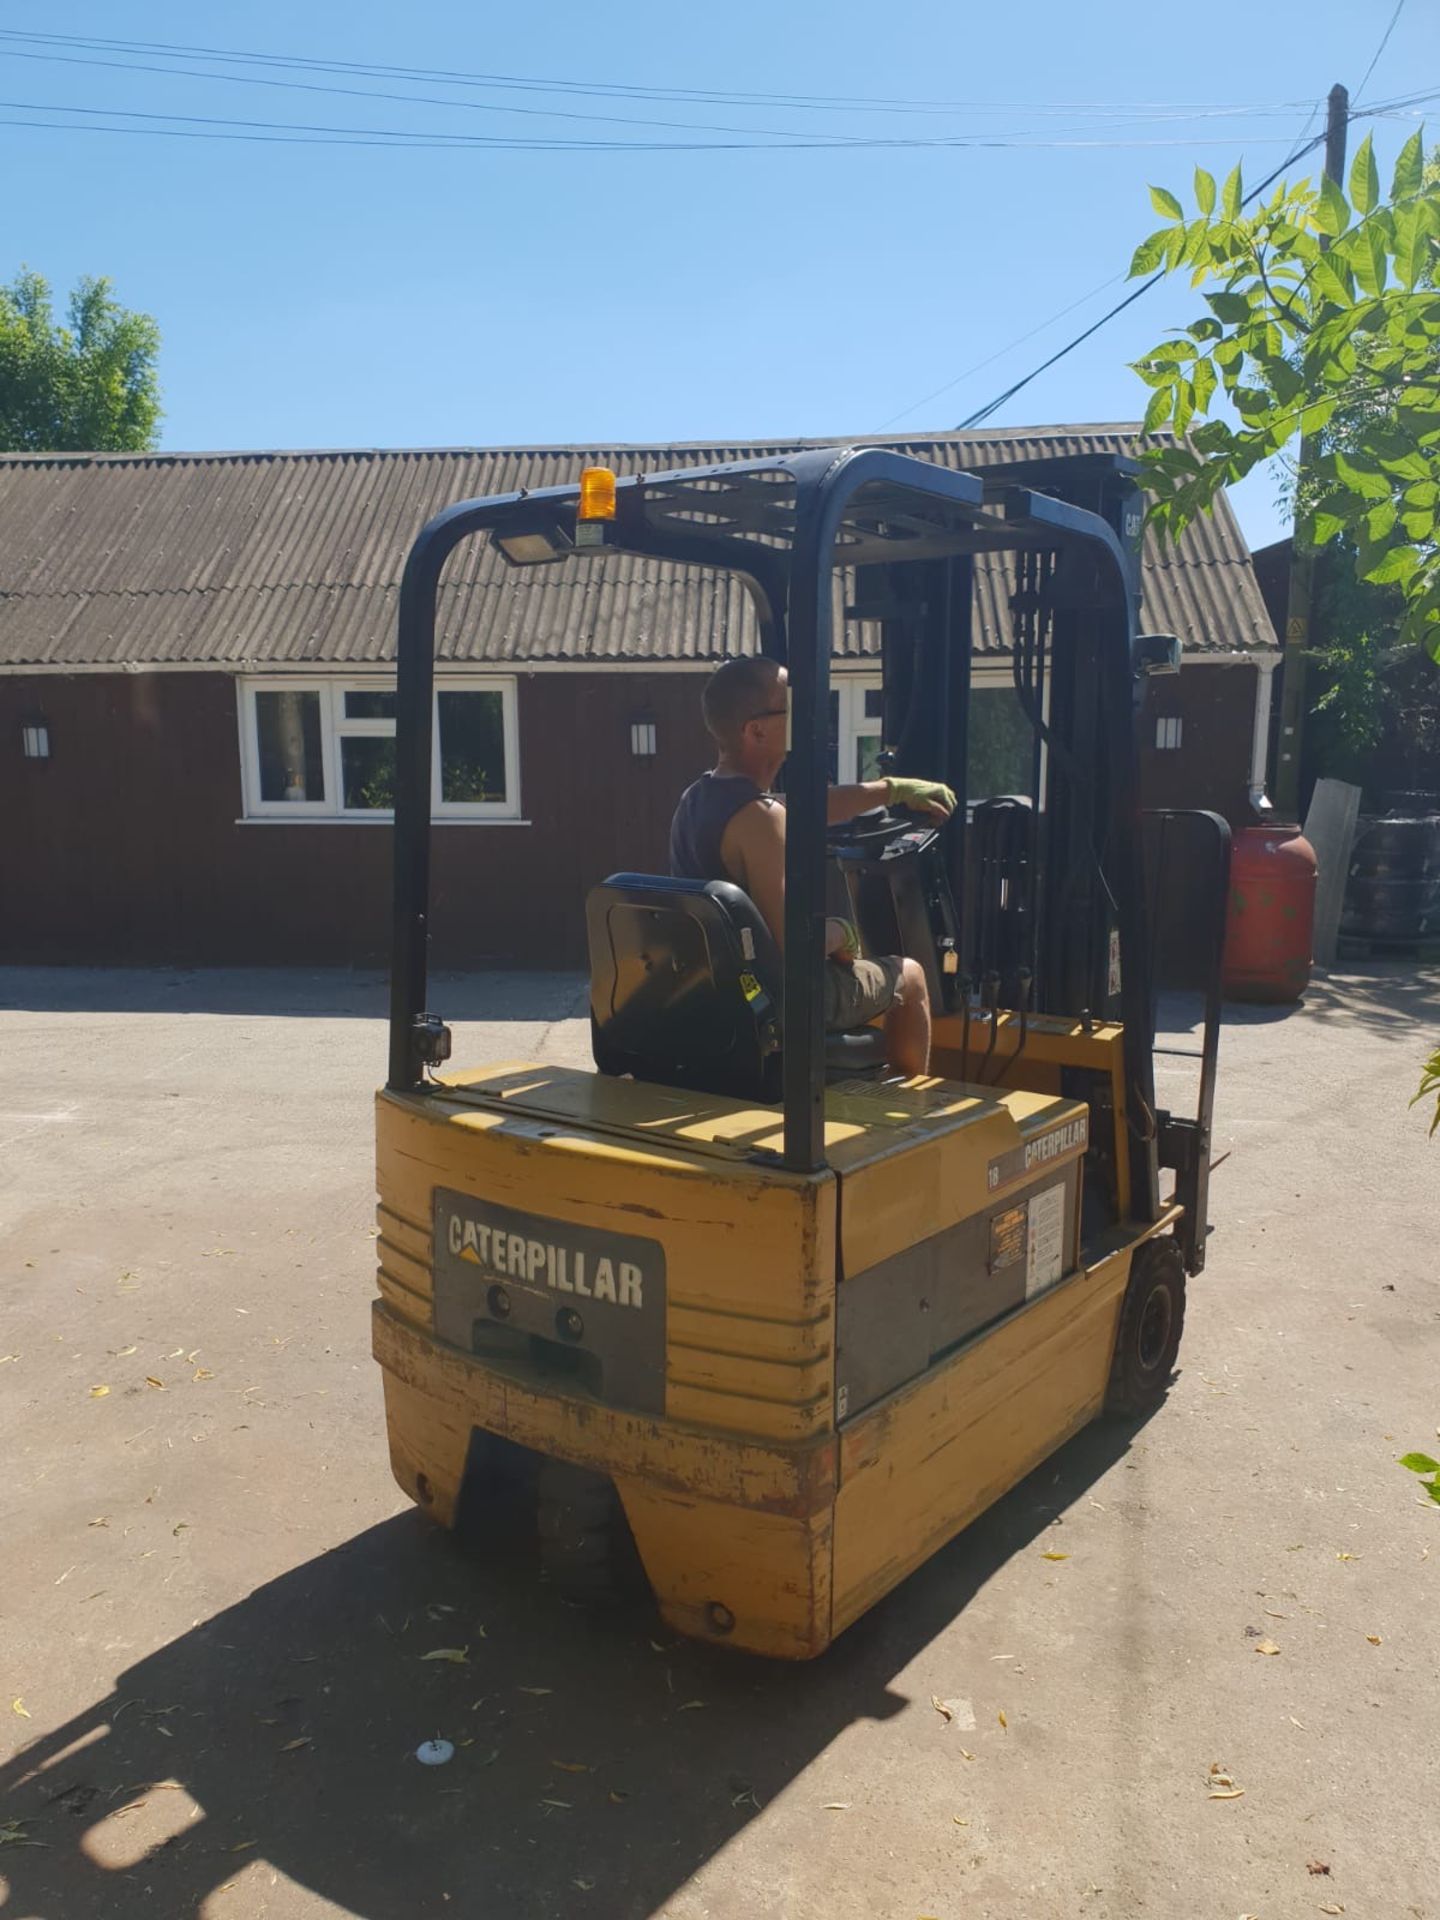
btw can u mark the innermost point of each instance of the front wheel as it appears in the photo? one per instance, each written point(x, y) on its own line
point(1152, 1319)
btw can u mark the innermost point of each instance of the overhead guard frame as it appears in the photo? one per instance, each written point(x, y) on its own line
point(781, 525)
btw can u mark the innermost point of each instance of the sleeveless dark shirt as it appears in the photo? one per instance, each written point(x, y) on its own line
point(706, 808)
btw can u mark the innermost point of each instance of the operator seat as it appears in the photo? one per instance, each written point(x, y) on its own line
point(685, 990)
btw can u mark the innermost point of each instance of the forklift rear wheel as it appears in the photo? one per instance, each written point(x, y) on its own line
point(586, 1552)
point(1151, 1321)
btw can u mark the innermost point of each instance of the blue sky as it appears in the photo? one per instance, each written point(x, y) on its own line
point(355, 296)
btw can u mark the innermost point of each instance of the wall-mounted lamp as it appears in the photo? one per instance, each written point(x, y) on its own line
point(532, 541)
point(1157, 653)
point(642, 737)
point(35, 738)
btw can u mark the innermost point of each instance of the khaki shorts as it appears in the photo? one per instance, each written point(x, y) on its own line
point(854, 996)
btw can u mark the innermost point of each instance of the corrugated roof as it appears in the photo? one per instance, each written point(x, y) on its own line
point(283, 559)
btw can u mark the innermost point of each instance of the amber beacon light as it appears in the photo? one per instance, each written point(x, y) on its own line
point(597, 494)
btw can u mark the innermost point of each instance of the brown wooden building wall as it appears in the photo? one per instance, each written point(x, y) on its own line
point(126, 846)
point(1215, 703)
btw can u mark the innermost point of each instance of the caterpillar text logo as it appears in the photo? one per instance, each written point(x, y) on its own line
point(1072, 1136)
point(588, 1274)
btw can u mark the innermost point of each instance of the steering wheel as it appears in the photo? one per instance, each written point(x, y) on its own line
point(869, 834)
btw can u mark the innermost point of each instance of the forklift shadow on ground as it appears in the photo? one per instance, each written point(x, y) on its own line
point(332, 1653)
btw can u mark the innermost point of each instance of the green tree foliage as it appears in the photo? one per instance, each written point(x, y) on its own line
point(86, 387)
point(1428, 1468)
point(1430, 1083)
point(1324, 320)
point(1376, 722)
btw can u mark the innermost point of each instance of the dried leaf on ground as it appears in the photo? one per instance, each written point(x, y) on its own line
point(1347, 1556)
point(1266, 1646)
point(965, 1754)
point(618, 1796)
point(294, 1746)
point(151, 1381)
point(689, 1705)
point(957, 1711)
point(1000, 1716)
point(585, 1886)
point(566, 1806)
point(1054, 1556)
point(98, 1393)
point(1374, 1639)
point(836, 1806)
point(457, 1656)
point(537, 1691)
point(1331, 1906)
point(572, 1766)
point(1317, 1866)
point(1221, 1784)
point(19, 1706)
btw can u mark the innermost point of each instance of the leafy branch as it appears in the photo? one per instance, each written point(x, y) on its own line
point(1323, 315)
point(1430, 1083)
point(1428, 1469)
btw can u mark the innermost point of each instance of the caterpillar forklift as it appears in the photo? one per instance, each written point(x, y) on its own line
point(736, 1307)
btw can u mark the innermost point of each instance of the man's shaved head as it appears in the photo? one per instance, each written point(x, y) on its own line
point(741, 690)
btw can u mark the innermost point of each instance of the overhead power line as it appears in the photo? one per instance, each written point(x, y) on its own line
point(638, 91)
point(759, 137)
point(1384, 42)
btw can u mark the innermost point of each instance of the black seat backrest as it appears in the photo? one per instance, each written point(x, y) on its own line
point(685, 985)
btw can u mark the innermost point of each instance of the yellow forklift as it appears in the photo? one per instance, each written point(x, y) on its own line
point(735, 1309)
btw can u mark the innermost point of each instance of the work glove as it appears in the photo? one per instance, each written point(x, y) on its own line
point(921, 796)
point(842, 941)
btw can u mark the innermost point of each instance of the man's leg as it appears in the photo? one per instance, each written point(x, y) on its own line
point(907, 1025)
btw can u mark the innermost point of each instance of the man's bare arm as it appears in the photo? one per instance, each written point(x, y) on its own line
point(844, 803)
point(753, 850)
point(920, 796)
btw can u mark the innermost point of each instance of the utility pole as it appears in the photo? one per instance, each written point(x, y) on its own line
point(1294, 664)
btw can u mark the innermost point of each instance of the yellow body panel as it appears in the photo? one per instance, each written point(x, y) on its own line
point(921, 1466)
point(743, 1495)
point(1050, 1044)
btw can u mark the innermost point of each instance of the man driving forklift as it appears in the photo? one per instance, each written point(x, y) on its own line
point(730, 826)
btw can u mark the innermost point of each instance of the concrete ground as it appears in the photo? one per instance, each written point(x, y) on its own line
point(217, 1608)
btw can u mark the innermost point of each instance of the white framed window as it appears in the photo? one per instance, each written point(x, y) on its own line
point(1169, 729)
point(1000, 752)
point(855, 728)
point(325, 749)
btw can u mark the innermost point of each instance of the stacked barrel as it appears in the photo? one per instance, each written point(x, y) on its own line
point(1392, 895)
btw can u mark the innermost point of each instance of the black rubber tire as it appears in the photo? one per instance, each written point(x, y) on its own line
point(1152, 1320)
point(586, 1552)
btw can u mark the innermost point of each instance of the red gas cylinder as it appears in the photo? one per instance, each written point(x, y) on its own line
point(1270, 925)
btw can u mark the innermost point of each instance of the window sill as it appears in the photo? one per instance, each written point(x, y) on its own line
point(358, 820)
